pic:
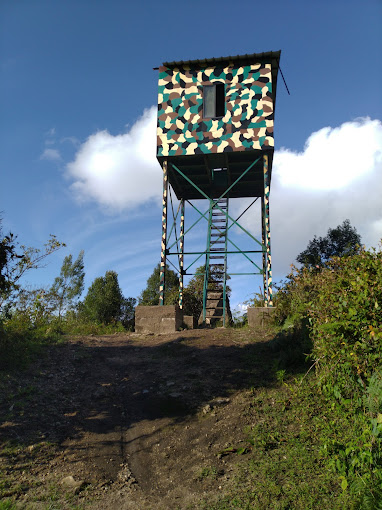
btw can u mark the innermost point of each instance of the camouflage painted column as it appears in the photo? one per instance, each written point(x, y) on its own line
point(181, 256)
point(263, 237)
point(269, 301)
point(164, 235)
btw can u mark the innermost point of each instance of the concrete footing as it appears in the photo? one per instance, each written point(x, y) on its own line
point(259, 316)
point(190, 322)
point(158, 319)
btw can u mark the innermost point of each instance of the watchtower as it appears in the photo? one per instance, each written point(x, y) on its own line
point(215, 142)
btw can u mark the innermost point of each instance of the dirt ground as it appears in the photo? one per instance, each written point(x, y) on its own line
point(130, 421)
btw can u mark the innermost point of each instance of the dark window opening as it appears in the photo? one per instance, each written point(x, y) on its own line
point(214, 100)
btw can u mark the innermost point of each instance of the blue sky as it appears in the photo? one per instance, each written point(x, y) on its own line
point(77, 129)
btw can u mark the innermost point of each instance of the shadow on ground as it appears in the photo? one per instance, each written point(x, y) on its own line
point(112, 400)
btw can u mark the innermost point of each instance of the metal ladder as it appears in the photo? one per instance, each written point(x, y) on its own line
point(215, 299)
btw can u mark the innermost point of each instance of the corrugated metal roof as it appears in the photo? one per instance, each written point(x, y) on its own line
point(253, 57)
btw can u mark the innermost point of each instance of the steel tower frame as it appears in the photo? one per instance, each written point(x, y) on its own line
point(168, 244)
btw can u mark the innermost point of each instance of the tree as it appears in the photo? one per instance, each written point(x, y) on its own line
point(128, 312)
point(150, 295)
point(193, 294)
point(7, 253)
point(70, 284)
point(16, 260)
point(341, 241)
point(104, 302)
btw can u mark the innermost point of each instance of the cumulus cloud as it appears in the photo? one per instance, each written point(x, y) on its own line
point(337, 176)
point(51, 155)
point(119, 171)
point(332, 157)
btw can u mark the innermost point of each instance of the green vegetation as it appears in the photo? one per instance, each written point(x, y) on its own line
point(150, 295)
point(33, 317)
point(339, 307)
point(343, 240)
point(7, 505)
point(104, 303)
point(69, 285)
point(316, 434)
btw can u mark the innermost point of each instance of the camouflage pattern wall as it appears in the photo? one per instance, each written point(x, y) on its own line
point(246, 125)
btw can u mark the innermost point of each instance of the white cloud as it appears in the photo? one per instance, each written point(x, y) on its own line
point(121, 171)
point(51, 155)
point(332, 157)
point(338, 176)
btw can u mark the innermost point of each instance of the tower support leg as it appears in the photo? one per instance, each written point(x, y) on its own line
point(264, 255)
point(181, 256)
point(268, 299)
point(164, 235)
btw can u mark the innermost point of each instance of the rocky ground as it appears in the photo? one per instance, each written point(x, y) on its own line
point(129, 421)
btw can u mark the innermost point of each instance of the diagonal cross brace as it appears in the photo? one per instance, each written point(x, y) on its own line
point(228, 239)
point(222, 196)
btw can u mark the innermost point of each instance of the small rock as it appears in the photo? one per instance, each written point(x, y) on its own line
point(206, 409)
point(71, 483)
point(145, 391)
point(220, 401)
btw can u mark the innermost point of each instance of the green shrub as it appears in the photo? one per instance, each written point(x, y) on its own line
point(342, 305)
point(346, 321)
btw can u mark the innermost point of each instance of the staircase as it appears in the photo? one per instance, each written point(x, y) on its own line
point(215, 284)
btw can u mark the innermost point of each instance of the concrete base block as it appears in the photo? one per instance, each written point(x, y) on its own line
point(190, 321)
point(259, 316)
point(158, 319)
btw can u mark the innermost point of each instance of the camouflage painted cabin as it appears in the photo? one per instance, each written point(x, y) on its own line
point(215, 117)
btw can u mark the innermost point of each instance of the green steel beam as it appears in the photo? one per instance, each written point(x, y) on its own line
point(173, 225)
point(212, 252)
point(242, 274)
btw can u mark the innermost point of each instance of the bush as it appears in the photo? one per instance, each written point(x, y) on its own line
point(346, 321)
point(342, 305)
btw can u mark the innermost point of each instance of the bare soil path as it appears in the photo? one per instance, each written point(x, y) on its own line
point(129, 421)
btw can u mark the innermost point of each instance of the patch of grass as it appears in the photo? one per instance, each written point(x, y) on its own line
point(207, 472)
point(7, 504)
point(52, 494)
point(285, 467)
